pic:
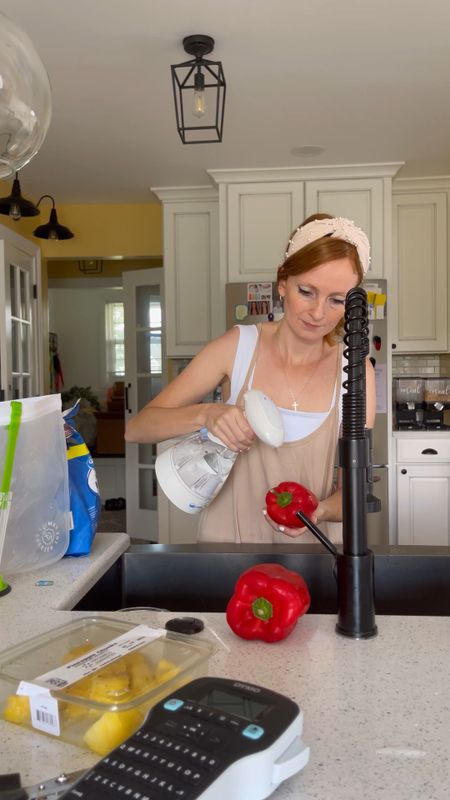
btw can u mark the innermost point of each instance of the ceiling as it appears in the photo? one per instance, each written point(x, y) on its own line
point(366, 80)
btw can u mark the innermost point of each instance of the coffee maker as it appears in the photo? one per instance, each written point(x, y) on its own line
point(409, 394)
point(436, 401)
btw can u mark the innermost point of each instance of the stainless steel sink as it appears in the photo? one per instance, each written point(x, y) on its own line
point(408, 580)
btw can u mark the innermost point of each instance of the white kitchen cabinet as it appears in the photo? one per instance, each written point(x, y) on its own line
point(238, 231)
point(362, 200)
point(194, 306)
point(423, 497)
point(423, 490)
point(419, 286)
point(261, 217)
point(260, 208)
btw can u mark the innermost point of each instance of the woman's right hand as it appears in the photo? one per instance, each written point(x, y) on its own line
point(230, 425)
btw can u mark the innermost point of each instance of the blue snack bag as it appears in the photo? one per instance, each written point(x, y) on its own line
point(85, 502)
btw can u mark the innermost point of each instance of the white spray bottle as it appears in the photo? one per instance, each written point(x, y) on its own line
point(192, 472)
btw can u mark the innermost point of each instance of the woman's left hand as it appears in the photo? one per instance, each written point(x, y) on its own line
point(293, 533)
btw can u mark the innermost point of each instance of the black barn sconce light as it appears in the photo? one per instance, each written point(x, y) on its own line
point(52, 230)
point(15, 206)
point(199, 93)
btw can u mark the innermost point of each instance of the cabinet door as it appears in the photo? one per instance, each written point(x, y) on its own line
point(194, 309)
point(21, 373)
point(261, 217)
point(361, 200)
point(419, 287)
point(423, 504)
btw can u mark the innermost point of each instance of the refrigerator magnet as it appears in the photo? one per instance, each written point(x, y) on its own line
point(240, 312)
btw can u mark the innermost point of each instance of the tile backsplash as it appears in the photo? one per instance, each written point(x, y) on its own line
point(422, 364)
point(426, 365)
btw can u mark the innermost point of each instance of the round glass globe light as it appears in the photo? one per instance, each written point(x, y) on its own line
point(25, 99)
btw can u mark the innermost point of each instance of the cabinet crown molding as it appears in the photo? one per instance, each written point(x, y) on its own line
point(324, 172)
point(422, 184)
point(177, 194)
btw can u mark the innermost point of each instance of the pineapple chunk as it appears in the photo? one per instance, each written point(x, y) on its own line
point(76, 652)
point(122, 680)
point(83, 688)
point(107, 687)
point(141, 674)
point(165, 671)
point(72, 711)
point(116, 667)
point(112, 729)
point(17, 709)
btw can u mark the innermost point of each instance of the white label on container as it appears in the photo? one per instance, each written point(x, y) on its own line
point(84, 665)
point(44, 714)
point(43, 707)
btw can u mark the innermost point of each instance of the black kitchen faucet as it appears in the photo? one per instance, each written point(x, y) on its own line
point(355, 563)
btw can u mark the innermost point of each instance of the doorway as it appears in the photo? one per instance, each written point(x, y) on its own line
point(91, 351)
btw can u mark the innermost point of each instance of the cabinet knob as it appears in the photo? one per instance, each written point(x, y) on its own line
point(394, 346)
point(404, 471)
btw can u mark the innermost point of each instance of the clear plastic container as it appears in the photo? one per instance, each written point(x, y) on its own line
point(409, 390)
point(105, 708)
point(437, 390)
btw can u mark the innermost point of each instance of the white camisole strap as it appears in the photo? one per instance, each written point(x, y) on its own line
point(248, 337)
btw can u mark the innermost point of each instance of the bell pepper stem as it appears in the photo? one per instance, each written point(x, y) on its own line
point(262, 608)
point(283, 498)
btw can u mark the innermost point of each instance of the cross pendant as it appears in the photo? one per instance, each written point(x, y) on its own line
point(295, 405)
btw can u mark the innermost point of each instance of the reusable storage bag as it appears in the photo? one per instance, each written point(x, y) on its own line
point(85, 502)
point(37, 532)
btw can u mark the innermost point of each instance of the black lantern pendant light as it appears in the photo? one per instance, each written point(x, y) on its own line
point(199, 93)
point(15, 206)
point(52, 230)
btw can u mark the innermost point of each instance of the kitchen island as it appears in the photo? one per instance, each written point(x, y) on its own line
point(376, 712)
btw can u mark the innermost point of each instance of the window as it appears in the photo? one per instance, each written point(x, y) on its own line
point(115, 344)
point(155, 337)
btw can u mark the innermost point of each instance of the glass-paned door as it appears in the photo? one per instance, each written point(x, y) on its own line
point(144, 378)
point(20, 358)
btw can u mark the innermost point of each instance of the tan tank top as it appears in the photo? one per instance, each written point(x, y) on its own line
point(235, 515)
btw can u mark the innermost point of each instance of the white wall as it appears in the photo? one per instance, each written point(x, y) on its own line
point(76, 315)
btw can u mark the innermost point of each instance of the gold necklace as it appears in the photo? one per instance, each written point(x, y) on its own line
point(295, 404)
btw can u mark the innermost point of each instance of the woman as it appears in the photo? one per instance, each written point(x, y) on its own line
point(298, 362)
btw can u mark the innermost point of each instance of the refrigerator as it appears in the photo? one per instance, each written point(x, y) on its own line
point(250, 303)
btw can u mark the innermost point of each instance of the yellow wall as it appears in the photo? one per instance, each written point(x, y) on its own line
point(102, 231)
point(70, 268)
point(99, 230)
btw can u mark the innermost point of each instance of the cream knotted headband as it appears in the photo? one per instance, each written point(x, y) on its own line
point(337, 227)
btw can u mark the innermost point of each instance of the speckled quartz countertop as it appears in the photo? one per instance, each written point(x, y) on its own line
point(376, 712)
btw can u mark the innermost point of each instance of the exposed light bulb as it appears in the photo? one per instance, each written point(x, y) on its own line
point(198, 108)
point(14, 211)
point(52, 235)
point(199, 104)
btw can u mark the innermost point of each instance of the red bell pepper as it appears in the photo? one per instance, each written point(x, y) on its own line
point(284, 500)
point(267, 602)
